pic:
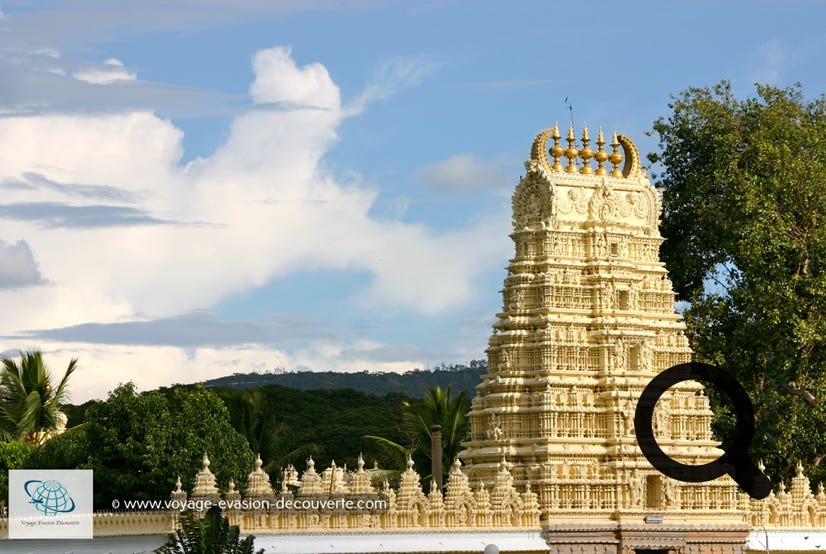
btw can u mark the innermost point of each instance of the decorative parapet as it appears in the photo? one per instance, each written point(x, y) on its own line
point(796, 508)
point(466, 506)
point(461, 507)
point(119, 524)
point(111, 524)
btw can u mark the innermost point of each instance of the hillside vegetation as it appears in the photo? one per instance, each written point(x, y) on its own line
point(412, 383)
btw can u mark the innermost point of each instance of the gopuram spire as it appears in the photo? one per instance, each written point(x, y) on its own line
point(587, 321)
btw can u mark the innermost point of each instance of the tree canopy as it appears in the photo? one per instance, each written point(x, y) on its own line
point(29, 403)
point(744, 217)
point(137, 444)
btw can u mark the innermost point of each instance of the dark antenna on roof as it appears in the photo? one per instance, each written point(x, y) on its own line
point(571, 109)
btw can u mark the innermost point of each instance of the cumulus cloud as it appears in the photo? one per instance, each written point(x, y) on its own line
point(17, 265)
point(279, 80)
point(463, 171)
point(96, 195)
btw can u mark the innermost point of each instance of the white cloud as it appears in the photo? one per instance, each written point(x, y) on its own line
point(279, 80)
point(463, 171)
point(259, 208)
point(112, 70)
point(17, 265)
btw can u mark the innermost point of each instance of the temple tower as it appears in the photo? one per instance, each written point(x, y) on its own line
point(588, 320)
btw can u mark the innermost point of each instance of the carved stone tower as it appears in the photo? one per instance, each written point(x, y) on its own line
point(588, 320)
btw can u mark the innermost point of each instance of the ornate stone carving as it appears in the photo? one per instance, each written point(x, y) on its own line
point(589, 320)
point(532, 203)
point(205, 486)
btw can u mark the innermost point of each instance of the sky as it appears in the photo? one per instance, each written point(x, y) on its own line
point(196, 188)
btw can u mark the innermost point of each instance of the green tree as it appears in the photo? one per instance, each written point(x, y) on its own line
point(137, 444)
point(29, 404)
point(13, 455)
point(744, 217)
point(438, 407)
point(253, 415)
point(335, 421)
point(211, 534)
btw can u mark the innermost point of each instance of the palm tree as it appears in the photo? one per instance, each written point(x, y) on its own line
point(439, 407)
point(211, 535)
point(29, 405)
point(275, 441)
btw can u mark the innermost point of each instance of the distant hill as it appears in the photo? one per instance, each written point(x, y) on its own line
point(412, 383)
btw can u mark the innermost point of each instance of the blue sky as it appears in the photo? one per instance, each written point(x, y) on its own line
point(196, 188)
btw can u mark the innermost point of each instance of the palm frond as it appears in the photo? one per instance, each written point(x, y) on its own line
point(29, 406)
point(390, 444)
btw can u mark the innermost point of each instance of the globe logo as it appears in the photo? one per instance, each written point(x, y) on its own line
point(49, 497)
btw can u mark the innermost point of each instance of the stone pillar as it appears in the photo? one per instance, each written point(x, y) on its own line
point(436, 454)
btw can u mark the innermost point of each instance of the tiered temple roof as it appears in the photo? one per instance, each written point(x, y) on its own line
point(587, 321)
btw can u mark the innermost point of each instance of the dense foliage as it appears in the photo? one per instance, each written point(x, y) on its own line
point(211, 534)
point(744, 216)
point(286, 425)
point(13, 455)
point(137, 444)
point(438, 407)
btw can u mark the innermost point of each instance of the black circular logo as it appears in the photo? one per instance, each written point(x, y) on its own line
point(734, 461)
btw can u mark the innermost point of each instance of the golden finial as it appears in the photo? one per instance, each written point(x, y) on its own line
point(601, 156)
point(586, 153)
point(616, 157)
point(556, 150)
point(571, 153)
